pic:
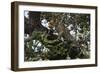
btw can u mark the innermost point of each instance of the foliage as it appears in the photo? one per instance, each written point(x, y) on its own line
point(49, 47)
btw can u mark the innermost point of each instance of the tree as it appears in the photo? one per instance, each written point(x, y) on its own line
point(64, 44)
